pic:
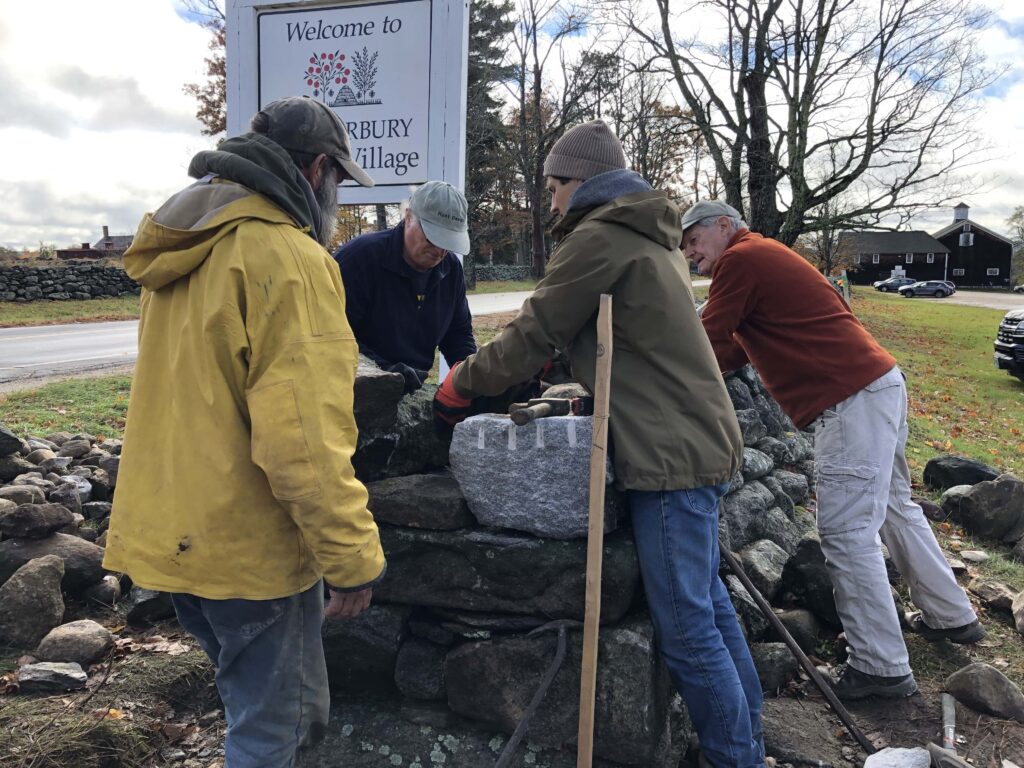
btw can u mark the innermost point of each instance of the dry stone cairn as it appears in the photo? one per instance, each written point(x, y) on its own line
point(486, 548)
point(484, 535)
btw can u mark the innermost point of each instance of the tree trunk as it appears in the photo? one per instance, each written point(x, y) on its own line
point(537, 225)
point(382, 217)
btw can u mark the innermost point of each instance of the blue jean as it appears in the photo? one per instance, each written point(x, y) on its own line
point(676, 535)
point(271, 672)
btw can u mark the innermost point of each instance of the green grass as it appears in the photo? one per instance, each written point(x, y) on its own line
point(959, 402)
point(503, 286)
point(14, 314)
point(94, 405)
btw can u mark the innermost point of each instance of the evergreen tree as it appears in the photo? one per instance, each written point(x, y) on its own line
point(486, 162)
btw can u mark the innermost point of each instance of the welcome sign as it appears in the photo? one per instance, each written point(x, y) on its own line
point(393, 71)
point(371, 64)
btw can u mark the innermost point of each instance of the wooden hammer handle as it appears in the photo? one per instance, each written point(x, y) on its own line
point(522, 416)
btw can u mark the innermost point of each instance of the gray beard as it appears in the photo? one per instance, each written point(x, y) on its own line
point(327, 198)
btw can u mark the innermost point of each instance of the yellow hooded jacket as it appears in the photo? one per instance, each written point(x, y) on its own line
point(236, 478)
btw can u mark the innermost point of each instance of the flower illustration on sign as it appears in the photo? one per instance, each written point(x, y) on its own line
point(363, 77)
point(326, 74)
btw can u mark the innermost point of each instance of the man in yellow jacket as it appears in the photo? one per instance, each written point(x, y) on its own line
point(236, 492)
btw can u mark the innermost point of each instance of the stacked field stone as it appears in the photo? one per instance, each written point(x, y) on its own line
point(486, 548)
point(79, 281)
point(484, 535)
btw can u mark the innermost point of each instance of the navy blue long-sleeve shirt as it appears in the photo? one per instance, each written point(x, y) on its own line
point(400, 315)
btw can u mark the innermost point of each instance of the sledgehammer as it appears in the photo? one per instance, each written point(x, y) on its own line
point(542, 407)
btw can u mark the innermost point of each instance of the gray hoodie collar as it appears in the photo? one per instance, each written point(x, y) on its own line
point(605, 187)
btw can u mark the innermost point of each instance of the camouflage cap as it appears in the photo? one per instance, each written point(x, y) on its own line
point(302, 124)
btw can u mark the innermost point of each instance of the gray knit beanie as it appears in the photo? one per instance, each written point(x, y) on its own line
point(584, 151)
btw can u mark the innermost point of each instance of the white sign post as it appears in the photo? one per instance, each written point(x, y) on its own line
point(395, 72)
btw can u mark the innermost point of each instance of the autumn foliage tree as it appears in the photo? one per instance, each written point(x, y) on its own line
point(211, 96)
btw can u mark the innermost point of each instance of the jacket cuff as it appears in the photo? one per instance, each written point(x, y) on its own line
point(361, 587)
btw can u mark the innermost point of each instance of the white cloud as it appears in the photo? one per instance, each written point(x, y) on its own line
point(95, 127)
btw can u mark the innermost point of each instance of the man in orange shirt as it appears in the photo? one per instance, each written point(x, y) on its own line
point(771, 308)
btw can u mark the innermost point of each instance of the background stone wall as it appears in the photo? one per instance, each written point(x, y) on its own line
point(74, 281)
point(502, 272)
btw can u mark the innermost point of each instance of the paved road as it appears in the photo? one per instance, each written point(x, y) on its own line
point(54, 350)
point(1006, 301)
point(48, 350)
point(59, 350)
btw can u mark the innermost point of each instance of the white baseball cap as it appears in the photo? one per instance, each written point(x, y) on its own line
point(443, 214)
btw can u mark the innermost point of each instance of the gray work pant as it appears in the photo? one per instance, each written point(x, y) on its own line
point(864, 500)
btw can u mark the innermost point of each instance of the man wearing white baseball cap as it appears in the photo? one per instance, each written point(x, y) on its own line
point(405, 293)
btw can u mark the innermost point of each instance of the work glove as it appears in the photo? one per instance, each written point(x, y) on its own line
point(449, 406)
point(413, 379)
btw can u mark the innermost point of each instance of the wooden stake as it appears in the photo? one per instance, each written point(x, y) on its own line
point(595, 533)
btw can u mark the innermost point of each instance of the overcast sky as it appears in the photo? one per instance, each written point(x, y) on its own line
point(95, 129)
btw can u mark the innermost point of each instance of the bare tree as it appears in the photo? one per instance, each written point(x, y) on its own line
point(658, 137)
point(549, 90)
point(824, 244)
point(889, 86)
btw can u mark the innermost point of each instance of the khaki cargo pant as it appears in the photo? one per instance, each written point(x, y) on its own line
point(864, 500)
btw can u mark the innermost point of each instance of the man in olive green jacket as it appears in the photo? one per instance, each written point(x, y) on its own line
point(675, 436)
point(236, 490)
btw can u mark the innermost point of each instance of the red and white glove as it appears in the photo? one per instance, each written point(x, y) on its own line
point(449, 406)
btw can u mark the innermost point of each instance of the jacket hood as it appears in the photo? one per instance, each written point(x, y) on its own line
point(256, 162)
point(179, 236)
point(182, 233)
point(605, 187)
point(626, 199)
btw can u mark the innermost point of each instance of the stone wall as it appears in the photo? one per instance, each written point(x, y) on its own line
point(74, 281)
point(467, 618)
point(467, 614)
point(503, 272)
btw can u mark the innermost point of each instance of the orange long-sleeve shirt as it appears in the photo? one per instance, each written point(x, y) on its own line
point(770, 307)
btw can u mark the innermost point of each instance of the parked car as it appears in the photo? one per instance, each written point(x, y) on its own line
point(937, 288)
point(1009, 344)
point(1019, 288)
point(893, 284)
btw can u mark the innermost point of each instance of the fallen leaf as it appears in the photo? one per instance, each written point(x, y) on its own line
point(9, 683)
point(174, 731)
point(109, 713)
point(170, 647)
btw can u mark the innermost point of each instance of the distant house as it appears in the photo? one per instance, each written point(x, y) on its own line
point(112, 243)
point(977, 256)
point(108, 245)
point(879, 255)
point(964, 252)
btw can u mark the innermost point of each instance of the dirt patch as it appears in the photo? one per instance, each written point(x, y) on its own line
point(151, 703)
point(802, 730)
point(34, 382)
